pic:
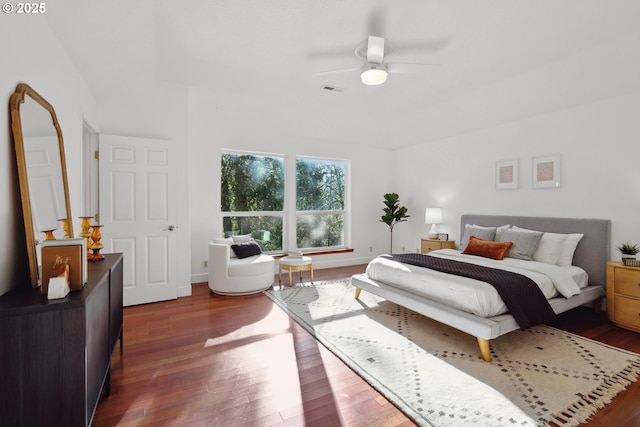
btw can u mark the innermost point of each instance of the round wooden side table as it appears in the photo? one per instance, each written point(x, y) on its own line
point(295, 264)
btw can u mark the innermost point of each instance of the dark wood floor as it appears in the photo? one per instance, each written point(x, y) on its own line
point(209, 360)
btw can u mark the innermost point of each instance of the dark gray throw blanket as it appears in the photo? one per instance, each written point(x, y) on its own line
point(521, 295)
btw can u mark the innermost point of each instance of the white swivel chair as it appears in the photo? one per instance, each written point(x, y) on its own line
point(229, 275)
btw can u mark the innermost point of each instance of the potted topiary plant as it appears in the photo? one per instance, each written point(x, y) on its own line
point(393, 213)
point(628, 252)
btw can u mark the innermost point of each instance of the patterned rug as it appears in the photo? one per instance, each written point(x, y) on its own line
point(435, 374)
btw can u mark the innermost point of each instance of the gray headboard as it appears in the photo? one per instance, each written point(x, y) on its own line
point(592, 252)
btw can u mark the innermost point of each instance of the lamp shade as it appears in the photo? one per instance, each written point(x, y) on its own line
point(433, 216)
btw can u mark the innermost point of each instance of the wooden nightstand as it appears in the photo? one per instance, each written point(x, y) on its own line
point(623, 295)
point(428, 245)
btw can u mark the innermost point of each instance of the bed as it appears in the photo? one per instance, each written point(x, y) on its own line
point(591, 255)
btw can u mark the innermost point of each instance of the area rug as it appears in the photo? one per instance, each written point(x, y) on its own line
point(435, 375)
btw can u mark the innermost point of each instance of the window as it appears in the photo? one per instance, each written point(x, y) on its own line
point(320, 203)
point(252, 197)
point(305, 208)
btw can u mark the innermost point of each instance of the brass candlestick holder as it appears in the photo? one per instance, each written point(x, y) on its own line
point(85, 225)
point(65, 227)
point(85, 233)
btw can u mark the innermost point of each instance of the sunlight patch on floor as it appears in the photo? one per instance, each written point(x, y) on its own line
point(263, 357)
point(275, 322)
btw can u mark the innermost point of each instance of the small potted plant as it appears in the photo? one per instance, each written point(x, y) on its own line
point(628, 251)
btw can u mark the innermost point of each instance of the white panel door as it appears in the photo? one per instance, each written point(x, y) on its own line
point(138, 196)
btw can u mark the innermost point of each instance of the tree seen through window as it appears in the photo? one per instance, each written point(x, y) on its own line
point(254, 193)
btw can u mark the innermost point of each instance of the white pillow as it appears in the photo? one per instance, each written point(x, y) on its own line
point(243, 238)
point(556, 246)
point(226, 241)
point(569, 247)
point(550, 248)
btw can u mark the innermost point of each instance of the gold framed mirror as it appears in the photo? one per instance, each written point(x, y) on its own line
point(42, 172)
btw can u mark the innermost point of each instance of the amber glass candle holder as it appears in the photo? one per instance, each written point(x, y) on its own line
point(95, 246)
point(48, 234)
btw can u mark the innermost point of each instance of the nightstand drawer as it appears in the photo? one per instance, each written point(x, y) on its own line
point(627, 282)
point(428, 245)
point(623, 295)
point(627, 312)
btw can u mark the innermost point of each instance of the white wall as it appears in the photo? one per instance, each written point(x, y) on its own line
point(600, 172)
point(371, 178)
point(31, 54)
point(597, 138)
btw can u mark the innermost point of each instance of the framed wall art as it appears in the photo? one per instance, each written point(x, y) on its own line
point(546, 171)
point(507, 175)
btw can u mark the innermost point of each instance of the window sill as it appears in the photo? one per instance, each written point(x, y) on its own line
point(319, 252)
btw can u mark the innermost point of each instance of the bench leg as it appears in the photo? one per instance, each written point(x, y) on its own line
point(485, 349)
point(357, 293)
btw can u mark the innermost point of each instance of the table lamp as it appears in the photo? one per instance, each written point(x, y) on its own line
point(433, 216)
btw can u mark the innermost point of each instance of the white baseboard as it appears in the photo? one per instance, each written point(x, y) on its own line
point(318, 264)
point(199, 278)
point(184, 291)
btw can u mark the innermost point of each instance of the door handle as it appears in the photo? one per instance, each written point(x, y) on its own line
point(171, 228)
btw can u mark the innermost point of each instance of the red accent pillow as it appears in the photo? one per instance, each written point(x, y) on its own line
point(487, 248)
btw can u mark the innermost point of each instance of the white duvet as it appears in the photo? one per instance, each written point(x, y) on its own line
point(472, 295)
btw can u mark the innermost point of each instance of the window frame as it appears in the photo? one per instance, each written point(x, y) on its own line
point(346, 211)
point(289, 214)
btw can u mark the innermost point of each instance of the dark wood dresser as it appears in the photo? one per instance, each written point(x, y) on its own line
point(55, 354)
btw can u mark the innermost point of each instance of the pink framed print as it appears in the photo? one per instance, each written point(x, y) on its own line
point(507, 175)
point(546, 171)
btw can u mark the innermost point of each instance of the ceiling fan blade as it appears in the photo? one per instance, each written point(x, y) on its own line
point(330, 72)
point(406, 68)
point(429, 46)
point(375, 49)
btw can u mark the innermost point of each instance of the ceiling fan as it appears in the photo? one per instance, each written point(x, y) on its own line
point(375, 70)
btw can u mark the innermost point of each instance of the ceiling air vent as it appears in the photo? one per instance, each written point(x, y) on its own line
point(332, 88)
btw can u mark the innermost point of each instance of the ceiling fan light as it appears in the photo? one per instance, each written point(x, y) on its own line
point(373, 74)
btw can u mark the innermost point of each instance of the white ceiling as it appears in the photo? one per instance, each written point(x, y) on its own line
point(257, 57)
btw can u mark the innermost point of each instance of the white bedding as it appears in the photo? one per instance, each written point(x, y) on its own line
point(471, 295)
